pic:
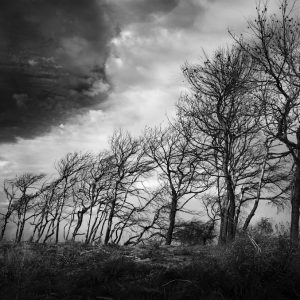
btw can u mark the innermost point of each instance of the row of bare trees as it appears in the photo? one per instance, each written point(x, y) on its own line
point(137, 188)
point(233, 144)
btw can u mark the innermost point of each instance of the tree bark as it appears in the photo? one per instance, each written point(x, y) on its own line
point(172, 216)
point(231, 213)
point(223, 227)
point(258, 193)
point(3, 229)
point(231, 208)
point(80, 215)
point(295, 199)
point(294, 234)
point(109, 221)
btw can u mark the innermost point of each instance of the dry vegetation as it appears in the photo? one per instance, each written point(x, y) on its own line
point(262, 268)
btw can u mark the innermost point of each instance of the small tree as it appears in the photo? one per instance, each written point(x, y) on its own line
point(89, 195)
point(179, 170)
point(264, 226)
point(10, 194)
point(23, 196)
point(128, 167)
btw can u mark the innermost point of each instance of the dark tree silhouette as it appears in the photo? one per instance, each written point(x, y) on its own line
point(179, 170)
point(23, 196)
point(275, 46)
point(223, 117)
point(128, 168)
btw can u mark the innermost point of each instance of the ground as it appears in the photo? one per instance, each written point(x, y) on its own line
point(77, 271)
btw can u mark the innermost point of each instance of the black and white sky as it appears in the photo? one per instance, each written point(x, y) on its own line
point(71, 71)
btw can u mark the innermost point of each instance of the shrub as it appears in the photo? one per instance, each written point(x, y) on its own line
point(194, 232)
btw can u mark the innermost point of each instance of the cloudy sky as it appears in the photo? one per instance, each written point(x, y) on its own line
point(74, 70)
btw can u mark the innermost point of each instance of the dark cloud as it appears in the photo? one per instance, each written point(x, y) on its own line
point(52, 57)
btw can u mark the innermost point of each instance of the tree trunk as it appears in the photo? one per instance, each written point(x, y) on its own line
point(294, 234)
point(223, 227)
point(21, 230)
point(230, 193)
point(237, 216)
point(251, 215)
point(80, 215)
point(6, 218)
point(172, 216)
point(231, 209)
point(42, 228)
point(109, 221)
point(295, 199)
point(258, 193)
point(57, 231)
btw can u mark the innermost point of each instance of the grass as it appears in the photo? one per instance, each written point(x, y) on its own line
point(242, 270)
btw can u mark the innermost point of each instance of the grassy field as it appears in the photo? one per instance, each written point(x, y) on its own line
point(243, 270)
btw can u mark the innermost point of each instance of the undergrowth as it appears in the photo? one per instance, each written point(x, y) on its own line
point(247, 269)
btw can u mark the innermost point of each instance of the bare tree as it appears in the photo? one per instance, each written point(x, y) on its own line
point(23, 193)
point(146, 218)
point(90, 194)
point(45, 209)
point(223, 117)
point(178, 169)
point(57, 206)
point(274, 46)
point(128, 168)
point(10, 193)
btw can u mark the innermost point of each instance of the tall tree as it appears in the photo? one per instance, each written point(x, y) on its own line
point(223, 117)
point(274, 45)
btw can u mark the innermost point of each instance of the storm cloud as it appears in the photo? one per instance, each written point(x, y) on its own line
point(52, 59)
